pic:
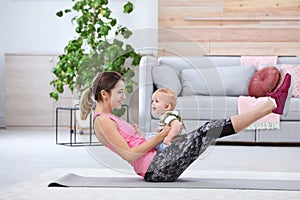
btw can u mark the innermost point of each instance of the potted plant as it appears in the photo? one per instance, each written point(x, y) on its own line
point(92, 51)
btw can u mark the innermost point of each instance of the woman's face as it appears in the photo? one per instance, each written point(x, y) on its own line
point(117, 95)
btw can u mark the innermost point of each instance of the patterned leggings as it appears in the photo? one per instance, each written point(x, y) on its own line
point(169, 163)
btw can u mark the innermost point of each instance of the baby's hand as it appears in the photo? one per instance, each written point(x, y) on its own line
point(136, 128)
point(167, 141)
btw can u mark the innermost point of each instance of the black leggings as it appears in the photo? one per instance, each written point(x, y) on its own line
point(169, 163)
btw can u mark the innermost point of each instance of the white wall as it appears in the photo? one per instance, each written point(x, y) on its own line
point(143, 22)
point(31, 27)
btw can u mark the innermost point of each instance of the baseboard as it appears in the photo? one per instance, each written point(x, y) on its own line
point(274, 144)
point(2, 122)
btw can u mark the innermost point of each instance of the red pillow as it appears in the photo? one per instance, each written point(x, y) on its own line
point(264, 81)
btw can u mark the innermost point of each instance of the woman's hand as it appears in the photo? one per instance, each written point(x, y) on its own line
point(164, 132)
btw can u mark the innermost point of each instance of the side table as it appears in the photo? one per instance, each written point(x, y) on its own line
point(73, 140)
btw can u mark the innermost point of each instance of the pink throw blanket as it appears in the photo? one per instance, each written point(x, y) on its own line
point(258, 60)
point(271, 121)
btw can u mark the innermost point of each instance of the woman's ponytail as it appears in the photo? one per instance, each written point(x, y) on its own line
point(86, 104)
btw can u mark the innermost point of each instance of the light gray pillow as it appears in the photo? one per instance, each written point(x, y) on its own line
point(165, 76)
point(218, 81)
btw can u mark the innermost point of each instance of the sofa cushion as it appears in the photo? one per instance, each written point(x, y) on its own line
point(219, 107)
point(264, 81)
point(164, 76)
point(294, 111)
point(217, 81)
point(205, 107)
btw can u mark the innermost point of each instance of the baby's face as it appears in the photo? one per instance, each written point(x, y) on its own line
point(160, 103)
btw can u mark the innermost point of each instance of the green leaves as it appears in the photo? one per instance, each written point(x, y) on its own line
point(119, 112)
point(136, 58)
point(105, 12)
point(68, 10)
point(60, 13)
point(54, 95)
point(104, 30)
point(128, 8)
point(124, 31)
point(90, 51)
point(79, 5)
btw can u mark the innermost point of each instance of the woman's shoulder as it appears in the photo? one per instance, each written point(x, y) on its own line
point(104, 118)
point(101, 118)
point(105, 115)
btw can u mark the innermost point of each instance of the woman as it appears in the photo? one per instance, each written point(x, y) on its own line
point(108, 90)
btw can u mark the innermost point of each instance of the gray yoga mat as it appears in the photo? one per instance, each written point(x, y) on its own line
point(74, 180)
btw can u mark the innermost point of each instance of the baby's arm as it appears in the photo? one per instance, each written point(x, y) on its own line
point(176, 127)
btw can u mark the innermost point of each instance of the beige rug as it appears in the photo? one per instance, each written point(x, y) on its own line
point(37, 187)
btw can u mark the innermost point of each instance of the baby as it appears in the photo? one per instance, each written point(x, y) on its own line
point(163, 104)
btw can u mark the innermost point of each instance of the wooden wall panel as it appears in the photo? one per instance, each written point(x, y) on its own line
point(261, 5)
point(254, 48)
point(251, 24)
point(232, 35)
point(192, 3)
point(182, 48)
point(189, 14)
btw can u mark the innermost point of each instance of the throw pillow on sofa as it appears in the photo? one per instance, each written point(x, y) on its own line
point(164, 76)
point(264, 81)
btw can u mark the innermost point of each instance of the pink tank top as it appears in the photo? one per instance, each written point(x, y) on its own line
point(127, 131)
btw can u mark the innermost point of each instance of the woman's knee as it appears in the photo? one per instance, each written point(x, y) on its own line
point(219, 128)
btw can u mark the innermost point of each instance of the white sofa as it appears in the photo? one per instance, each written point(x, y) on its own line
point(208, 88)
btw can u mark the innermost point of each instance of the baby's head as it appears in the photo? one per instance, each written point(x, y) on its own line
point(163, 99)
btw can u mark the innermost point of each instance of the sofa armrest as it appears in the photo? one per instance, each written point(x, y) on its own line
point(145, 91)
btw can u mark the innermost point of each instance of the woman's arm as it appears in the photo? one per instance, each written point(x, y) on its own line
point(108, 130)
